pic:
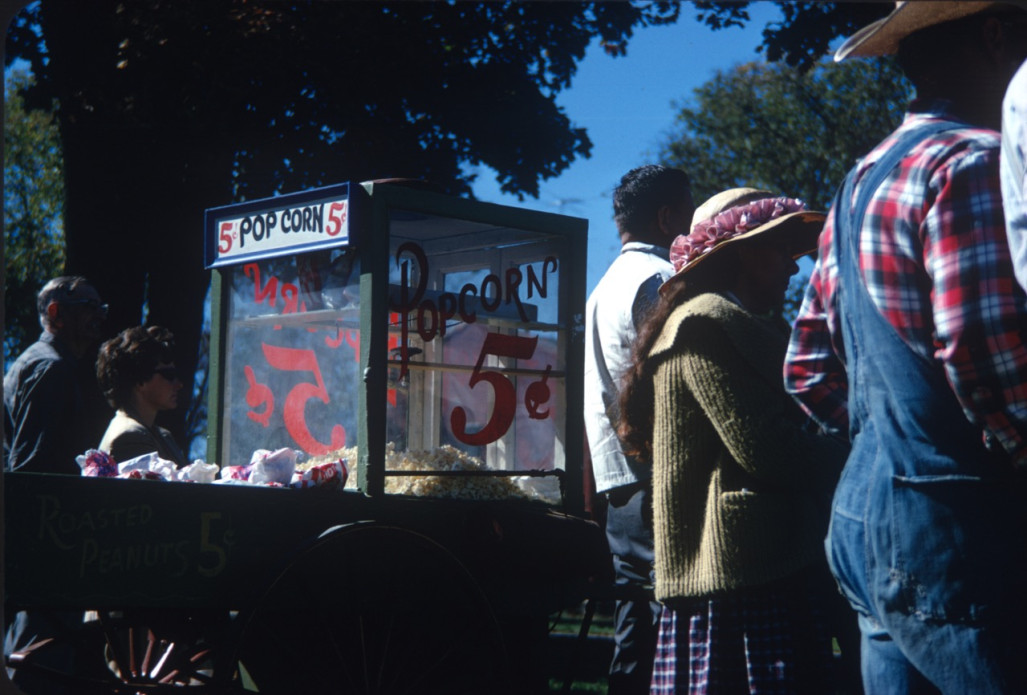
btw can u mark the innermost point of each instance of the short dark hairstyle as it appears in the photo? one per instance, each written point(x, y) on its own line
point(60, 289)
point(129, 358)
point(643, 191)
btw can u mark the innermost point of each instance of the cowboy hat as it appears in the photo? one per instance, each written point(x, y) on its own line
point(882, 37)
point(741, 214)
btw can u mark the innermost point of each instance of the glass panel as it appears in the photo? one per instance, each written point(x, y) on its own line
point(292, 358)
point(477, 351)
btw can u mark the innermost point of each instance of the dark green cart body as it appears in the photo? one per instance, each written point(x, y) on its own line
point(106, 543)
point(273, 580)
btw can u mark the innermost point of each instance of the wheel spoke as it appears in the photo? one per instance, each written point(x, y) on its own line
point(143, 651)
point(404, 616)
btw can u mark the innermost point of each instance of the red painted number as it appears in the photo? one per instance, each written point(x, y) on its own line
point(258, 395)
point(299, 360)
point(225, 245)
point(336, 218)
point(518, 347)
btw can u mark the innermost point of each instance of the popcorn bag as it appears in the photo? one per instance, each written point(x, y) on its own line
point(277, 468)
point(97, 464)
point(239, 473)
point(199, 472)
point(138, 474)
point(149, 467)
point(332, 474)
point(273, 466)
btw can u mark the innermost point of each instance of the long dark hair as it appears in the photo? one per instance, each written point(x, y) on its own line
point(637, 399)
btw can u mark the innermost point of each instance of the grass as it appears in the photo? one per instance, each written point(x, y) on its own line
point(584, 661)
point(557, 686)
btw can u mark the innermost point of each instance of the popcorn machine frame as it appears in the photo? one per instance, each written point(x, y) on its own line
point(444, 321)
point(413, 323)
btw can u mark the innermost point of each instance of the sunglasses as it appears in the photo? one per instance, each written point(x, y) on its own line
point(169, 373)
point(94, 305)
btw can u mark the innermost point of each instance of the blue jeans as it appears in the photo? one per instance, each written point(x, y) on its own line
point(929, 565)
point(629, 531)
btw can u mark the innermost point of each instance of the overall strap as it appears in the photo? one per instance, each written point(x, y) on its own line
point(848, 222)
point(902, 394)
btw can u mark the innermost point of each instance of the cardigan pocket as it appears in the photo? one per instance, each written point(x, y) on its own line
point(757, 530)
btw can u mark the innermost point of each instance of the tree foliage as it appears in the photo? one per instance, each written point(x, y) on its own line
point(168, 107)
point(33, 209)
point(774, 127)
point(806, 29)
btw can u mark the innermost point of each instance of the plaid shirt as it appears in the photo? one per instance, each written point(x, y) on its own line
point(935, 260)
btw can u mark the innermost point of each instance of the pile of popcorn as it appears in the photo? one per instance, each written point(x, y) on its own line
point(449, 458)
point(446, 458)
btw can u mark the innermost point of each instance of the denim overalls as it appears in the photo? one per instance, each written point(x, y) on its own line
point(924, 534)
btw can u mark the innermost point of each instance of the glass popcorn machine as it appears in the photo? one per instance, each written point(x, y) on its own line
point(432, 343)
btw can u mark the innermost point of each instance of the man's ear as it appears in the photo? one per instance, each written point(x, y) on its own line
point(52, 312)
point(1004, 41)
point(664, 221)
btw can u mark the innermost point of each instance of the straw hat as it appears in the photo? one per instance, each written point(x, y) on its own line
point(882, 37)
point(741, 214)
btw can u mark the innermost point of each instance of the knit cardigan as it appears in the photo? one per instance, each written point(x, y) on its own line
point(741, 489)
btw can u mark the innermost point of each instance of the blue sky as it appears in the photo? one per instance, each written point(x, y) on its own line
point(627, 106)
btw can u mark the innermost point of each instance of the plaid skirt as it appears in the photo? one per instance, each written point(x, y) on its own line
point(771, 640)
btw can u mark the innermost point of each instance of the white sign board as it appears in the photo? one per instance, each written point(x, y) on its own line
point(272, 226)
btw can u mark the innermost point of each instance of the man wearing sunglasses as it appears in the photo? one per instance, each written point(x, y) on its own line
point(137, 373)
point(47, 420)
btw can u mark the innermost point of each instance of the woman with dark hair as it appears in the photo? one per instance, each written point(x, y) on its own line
point(136, 370)
point(741, 488)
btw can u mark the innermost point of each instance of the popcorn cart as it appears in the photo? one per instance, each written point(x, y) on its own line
point(395, 378)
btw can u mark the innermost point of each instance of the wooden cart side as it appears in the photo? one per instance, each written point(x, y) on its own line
point(102, 542)
point(159, 550)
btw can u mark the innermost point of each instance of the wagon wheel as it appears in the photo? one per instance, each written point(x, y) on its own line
point(374, 609)
point(131, 651)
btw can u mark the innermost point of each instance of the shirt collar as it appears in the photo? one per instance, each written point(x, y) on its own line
point(61, 346)
point(931, 108)
point(660, 251)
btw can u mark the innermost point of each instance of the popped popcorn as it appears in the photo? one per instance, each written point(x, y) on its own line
point(447, 458)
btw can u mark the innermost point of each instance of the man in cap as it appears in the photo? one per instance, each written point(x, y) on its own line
point(49, 418)
point(652, 205)
point(909, 342)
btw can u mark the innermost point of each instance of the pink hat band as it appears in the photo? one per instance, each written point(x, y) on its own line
point(731, 223)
